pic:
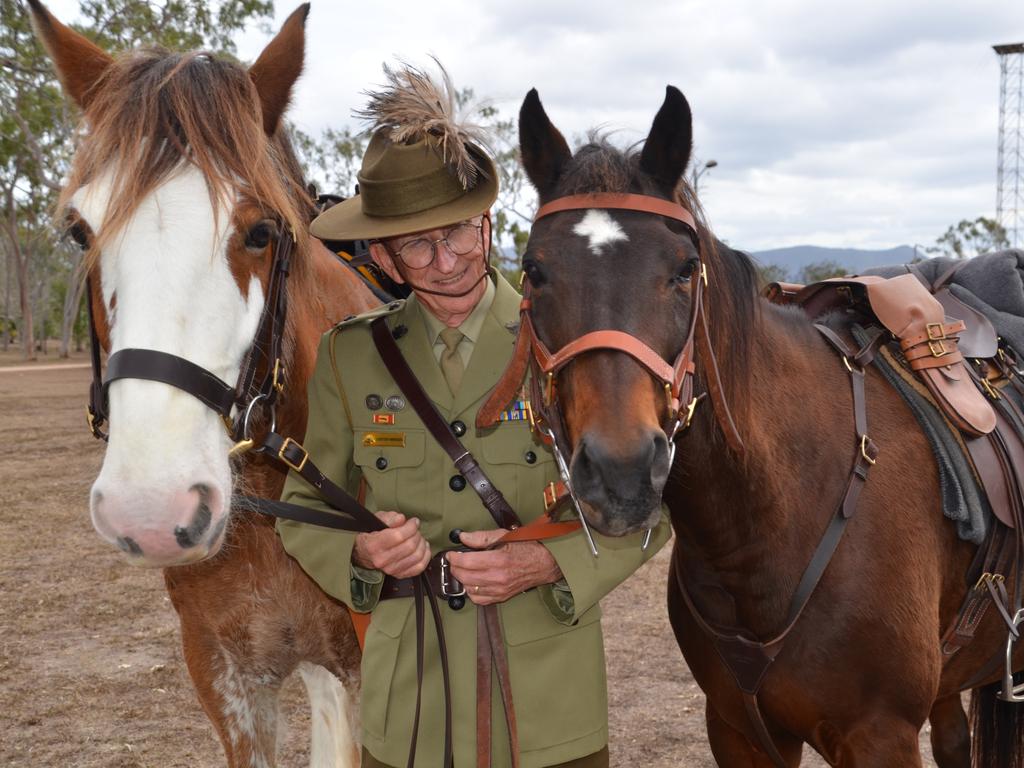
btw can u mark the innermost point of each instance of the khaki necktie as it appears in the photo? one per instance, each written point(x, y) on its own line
point(451, 360)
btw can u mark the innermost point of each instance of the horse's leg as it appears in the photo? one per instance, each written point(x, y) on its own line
point(334, 720)
point(951, 737)
point(242, 707)
point(883, 741)
point(731, 747)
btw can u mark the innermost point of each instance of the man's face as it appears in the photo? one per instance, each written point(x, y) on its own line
point(448, 273)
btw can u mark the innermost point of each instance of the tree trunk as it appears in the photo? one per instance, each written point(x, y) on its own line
point(5, 331)
point(72, 304)
point(28, 331)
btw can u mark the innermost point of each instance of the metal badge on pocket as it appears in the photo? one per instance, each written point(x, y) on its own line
point(384, 439)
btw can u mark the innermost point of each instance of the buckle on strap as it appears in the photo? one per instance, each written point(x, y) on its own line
point(291, 444)
point(447, 580)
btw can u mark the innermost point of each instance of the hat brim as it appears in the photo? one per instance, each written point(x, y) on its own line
point(346, 220)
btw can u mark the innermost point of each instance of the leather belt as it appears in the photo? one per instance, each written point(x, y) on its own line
point(443, 583)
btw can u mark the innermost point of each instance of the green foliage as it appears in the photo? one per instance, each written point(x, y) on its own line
point(771, 273)
point(37, 123)
point(821, 270)
point(969, 238)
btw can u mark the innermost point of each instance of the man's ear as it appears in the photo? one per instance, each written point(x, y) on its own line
point(383, 259)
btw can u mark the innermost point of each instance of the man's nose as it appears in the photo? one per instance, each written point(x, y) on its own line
point(444, 260)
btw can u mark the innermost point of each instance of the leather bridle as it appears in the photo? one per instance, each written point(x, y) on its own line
point(242, 400)
point(675, 377)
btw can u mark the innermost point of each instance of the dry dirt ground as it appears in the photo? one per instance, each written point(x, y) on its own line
point(91, 672)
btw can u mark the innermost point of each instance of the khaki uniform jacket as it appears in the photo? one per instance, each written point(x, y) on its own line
point(554, 642)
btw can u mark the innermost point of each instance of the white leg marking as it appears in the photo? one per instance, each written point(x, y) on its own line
point(250, 709)
point(600, 229)
point(333, 741)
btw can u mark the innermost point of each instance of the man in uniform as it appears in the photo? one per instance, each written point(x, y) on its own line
point(425, 194)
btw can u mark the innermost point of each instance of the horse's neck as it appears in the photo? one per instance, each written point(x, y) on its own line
point(757, 520)
point(327, 292)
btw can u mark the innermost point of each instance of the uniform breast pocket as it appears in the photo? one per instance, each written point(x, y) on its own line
point(520, 467)
point(391, 462)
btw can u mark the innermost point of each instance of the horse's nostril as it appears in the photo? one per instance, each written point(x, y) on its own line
point(127, 544)
point(188, 536)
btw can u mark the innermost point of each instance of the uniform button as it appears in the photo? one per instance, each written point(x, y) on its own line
point(531, 457)
point(457, 482)
point(381, 463)
point(459, 428)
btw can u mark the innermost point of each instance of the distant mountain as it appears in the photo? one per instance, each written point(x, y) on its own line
point(855, 260)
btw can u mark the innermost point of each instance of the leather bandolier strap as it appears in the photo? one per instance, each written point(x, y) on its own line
point(491, 655)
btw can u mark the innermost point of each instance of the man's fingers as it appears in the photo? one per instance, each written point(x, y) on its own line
point(481, 539)
point(391, 518)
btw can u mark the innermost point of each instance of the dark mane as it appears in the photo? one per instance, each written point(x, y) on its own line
point(731, 299)
point(154, 110)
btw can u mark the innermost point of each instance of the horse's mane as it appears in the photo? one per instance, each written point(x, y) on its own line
point(731, 299)
point(154, 109)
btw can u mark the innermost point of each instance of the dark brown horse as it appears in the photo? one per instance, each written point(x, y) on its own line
point(861, 670)
point(181, 190)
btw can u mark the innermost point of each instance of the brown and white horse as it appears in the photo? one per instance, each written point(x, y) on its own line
point(862, 668)
point(180, 187)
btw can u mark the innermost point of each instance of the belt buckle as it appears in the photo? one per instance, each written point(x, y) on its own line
point(448, 580)
point(289, 443)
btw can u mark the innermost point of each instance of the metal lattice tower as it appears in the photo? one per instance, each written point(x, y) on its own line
point(1010, 172)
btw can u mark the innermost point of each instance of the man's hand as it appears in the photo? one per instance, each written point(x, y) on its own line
point(400, 551)
point(493, 576)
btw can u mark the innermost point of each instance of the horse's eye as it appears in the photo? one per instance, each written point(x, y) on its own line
point(78, 232)
point(685, 272)
point(532, 271)
point(260, 235)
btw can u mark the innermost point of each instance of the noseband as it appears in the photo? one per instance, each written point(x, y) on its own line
point(207, 387)
point(676, 377)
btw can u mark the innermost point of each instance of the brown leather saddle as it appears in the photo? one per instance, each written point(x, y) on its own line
point(974, 381)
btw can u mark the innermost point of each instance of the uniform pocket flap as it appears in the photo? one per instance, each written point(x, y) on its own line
point(389, 616)
point(399, 448)
point(515, 445)
point(518, 632)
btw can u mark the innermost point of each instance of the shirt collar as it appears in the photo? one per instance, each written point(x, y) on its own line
point(471, 326)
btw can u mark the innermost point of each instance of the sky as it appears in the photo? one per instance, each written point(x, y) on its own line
point(863, 124)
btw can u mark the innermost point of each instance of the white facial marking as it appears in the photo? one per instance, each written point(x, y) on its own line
point(168, 276)
point(600, 229)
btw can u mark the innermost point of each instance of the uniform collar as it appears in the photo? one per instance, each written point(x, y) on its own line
point(471, 326)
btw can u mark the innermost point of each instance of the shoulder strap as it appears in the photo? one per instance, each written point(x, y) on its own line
point(468, 467)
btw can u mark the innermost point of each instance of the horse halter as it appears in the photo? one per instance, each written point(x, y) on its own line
point(207, 387)
point(676, 377)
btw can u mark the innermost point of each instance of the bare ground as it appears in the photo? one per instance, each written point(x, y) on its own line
point(91, 672)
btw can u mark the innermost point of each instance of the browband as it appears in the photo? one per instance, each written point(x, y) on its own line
point(619, 201)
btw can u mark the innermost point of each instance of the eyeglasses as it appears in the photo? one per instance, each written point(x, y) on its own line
point(421, 252)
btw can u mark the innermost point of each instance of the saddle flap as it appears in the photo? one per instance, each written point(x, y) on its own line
point(979, 338)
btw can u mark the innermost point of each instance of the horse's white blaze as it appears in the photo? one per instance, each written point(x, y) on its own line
point(600, 229)
point(333, 742)
point(167, 286)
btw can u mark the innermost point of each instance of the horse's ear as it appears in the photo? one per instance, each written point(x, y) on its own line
point(80, 63)
point(543, 149)
point(279, 66)
point(668, 146)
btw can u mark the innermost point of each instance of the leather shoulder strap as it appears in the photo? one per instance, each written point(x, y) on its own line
point(468, 467)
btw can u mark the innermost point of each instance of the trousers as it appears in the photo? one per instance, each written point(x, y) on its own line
point(597, 760)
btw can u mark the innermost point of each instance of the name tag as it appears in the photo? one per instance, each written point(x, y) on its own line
point(384, 439)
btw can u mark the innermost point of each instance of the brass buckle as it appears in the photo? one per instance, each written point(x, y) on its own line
point(284, 446)
point(935, 331)
point(936, 335)
point(994, 578)
point(278, 381)
point(864, 450)
point(550, 496)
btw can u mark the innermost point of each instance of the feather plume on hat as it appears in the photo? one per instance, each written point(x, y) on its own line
point(412, 106)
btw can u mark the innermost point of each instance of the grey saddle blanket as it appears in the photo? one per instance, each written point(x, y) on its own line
point(992, 283)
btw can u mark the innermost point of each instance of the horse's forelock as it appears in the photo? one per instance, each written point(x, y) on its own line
point(153, 110)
